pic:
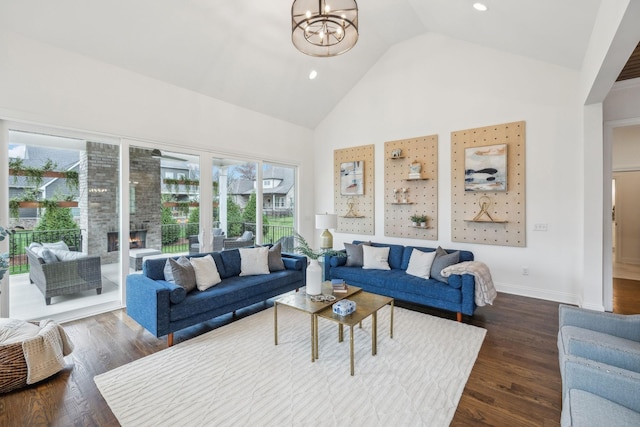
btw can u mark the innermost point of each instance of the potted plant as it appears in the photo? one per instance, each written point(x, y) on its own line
point(4, 258)
point(419, 220)
point(314, 271)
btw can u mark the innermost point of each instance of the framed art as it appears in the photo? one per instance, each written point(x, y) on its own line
point(352, 178)
point(485, 168)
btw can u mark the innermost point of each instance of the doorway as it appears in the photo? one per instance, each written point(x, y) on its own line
point(625, 227)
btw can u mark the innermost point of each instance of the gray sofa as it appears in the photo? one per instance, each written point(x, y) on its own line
point(600, 367)
point(57, 271)
point(163, 307)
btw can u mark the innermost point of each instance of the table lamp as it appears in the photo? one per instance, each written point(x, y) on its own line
point(325, 222)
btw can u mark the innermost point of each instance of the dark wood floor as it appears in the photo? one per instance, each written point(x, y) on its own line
point(515, 380)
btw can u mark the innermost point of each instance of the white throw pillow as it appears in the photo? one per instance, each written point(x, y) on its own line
point(206, 272)
point(420, 263)
point(375, 258)
point(254, 261)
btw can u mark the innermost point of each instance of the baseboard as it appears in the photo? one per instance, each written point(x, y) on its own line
point(525, 291)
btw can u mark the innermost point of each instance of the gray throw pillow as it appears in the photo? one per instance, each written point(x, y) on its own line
point(48, 256)
point(443, 259)
point(168, 272)
point(183, 273)
point(275, 258)
point(355, 258)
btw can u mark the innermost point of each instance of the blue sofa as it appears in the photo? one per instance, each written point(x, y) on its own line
point(600, 367)
point(458, 295)
point(163, 307)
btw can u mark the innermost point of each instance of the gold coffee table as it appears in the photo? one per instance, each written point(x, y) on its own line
point(301, 301)
point(367, 304)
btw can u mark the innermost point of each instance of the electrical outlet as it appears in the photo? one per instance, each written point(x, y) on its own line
point(525, 271)
point(540, 227)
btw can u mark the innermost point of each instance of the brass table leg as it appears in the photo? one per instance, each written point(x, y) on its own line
point(275, 322)
point(316, 335)
point(351, 348)
point(313, 338)
point(374, 333)
point(391, 328)
point(340, 333)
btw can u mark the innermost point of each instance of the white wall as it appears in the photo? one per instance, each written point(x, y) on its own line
point(626, 148)
point(45, 85)
point(435, 85)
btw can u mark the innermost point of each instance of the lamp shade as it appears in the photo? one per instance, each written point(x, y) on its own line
point(326, 221)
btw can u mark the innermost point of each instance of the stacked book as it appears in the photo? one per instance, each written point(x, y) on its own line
point(339, 286)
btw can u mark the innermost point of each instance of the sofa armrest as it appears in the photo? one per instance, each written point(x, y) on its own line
point(60, 273)
point(294, 262)
point(621, 325)
point(614, 384)
point(617, 352)
point(149, 303)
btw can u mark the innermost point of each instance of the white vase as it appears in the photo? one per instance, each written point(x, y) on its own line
point(314, 278)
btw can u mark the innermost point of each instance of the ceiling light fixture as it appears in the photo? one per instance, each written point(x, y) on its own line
point(480, 6)
point(324, 27)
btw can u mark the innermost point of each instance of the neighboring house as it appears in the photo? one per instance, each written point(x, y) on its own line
point(277, 191)
point(35, 156)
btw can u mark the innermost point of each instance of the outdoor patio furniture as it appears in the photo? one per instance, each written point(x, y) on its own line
point(64, 277)
point(218, 239)
point(245, 240)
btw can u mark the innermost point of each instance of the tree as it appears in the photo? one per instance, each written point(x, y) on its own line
point(57, 218)
point(193, 227)
point(247, 171)
point(234, 218)
point(249, 214)
point(170, 227)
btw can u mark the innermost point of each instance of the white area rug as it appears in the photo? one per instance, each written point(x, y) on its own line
point(235, 375)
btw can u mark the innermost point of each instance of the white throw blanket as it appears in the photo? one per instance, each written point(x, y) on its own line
point(485, 292)
point(45, 352)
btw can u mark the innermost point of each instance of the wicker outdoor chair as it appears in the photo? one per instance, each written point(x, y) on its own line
point(64, 277)
point(243, 241)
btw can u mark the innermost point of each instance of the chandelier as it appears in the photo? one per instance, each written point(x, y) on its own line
point(324, 27)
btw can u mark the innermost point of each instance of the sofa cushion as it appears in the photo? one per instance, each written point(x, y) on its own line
point(396, 281)
point(206, 272)
point(275, 258)
point(230, 291)
point(231, 262)
point(442, 260)
point(354, 254)
point(375, 258)
point(45, 254)
point(420, 263)
point(183, 273)
point(63, 255)
point(582, 408)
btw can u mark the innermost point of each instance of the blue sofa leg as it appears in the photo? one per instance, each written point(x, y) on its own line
point(170, 339)
point(459, 317)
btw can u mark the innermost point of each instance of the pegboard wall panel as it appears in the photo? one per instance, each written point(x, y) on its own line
point(356, 213)
point(420, 195)
point(502, 222)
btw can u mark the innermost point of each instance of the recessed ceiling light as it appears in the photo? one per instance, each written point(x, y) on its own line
point(480, 6)
point(313, 74)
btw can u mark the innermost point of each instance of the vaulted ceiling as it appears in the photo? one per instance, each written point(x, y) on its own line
point(240, 51)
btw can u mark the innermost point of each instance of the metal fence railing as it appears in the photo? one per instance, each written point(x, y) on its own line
point(20, 239)
point(175, 239)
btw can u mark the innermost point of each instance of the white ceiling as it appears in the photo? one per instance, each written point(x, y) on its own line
point(240, 51)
